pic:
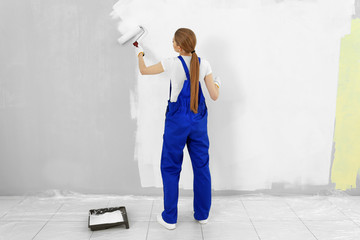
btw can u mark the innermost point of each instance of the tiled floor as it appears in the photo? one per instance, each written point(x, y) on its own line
point(258, 217)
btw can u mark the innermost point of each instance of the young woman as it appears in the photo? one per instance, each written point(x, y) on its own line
point(185, 123)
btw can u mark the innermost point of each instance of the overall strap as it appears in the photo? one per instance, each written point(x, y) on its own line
point(185, 67)
point(186, 71)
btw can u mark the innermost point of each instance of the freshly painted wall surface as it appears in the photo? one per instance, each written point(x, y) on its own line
point(278, 60)
point(347, 132)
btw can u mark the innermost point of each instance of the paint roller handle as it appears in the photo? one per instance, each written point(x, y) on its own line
point(139, 49)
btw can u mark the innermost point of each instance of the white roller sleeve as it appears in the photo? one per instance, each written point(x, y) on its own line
point(128, 35)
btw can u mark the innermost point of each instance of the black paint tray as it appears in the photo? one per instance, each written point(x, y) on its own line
point(105, 225)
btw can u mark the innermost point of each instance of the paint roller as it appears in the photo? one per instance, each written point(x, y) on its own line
point(132, 33)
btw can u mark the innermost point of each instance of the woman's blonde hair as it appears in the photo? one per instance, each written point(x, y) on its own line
point(186, 39)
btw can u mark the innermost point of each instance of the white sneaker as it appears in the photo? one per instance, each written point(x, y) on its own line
point(203, 221)
point(170, 226)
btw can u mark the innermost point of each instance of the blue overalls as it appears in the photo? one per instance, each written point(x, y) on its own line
point(182, 126)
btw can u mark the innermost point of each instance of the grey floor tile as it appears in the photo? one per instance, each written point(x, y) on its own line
point(225, 209)
point(6, 203)
point(33, 209)
point(229, 231)
point(64, 231)
point(184, 230)
point(334, 230)
point(349, 206)
point(315, 208)
point(269, 210)
point(19, 230)
point(137, 231)
point(283, 230)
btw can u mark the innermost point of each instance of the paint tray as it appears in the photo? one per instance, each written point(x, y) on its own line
point(104, 218)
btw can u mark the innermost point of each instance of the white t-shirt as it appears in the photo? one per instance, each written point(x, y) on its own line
point(177, 73)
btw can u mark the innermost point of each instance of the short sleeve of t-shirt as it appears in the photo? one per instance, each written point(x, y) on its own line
point(207, 67)
point(167, 64)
